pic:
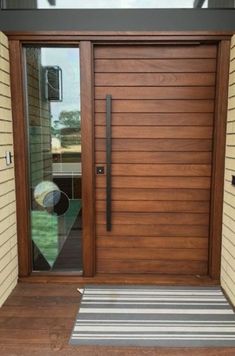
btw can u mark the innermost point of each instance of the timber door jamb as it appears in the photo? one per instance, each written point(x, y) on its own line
point(20, 142)
point(219, 139)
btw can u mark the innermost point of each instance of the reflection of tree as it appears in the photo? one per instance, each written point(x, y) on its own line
point(67, 130)
point(71, 119)
point(70, 132)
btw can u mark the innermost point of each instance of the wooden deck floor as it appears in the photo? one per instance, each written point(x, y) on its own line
point(37, 319)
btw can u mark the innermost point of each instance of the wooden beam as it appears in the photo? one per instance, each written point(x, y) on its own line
point(88, 192)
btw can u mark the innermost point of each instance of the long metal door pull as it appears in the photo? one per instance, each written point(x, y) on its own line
point(108, 162)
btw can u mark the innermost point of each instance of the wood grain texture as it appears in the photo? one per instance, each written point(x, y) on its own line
point(87, 127)
point(107, 278)
point(161, 119)
point(157, 106)
point(154, 230)
point(156, 170)
point(162, 135)
point(20, 156)
point(172, 37)
point(156, 145)
point(142, 79)
point(218, 158)
point(30, 325)
point(156, 92)
point(155, 65)
point(151, 241)
point(157, 182)
point(151, 51)
point(149, 267)
point(151, 218)
point(156, 157)
point(139, 194)
point(168, 254)
point(155, 79)
point(156, 132)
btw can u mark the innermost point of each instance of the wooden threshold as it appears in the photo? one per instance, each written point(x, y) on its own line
point(123, 279)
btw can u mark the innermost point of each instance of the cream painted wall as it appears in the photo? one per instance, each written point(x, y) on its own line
point(228, 239)
point(8, 237)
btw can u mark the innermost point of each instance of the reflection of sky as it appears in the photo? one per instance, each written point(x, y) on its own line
point(68, 60)
point(79, 4)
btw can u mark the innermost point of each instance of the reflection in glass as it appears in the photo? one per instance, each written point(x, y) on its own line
point(118, 4)
point(54, 135)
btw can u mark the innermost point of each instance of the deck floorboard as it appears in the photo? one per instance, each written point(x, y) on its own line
point(37, 319)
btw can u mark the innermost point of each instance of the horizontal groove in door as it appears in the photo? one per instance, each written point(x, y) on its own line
point(156, 206)
point(121, 265)
point(156, 106)
point(141, 193)
point(159, 119)
point(154, 51)
point(156, 170)
point(156, 182)
point(163, 231)
point(155, 157)
point(156, 132)
point(155, 79)
point(155, 65)
point(155, 230)
point(151, 253)
point(153, 218)
point(152, 241)
point(162, 129)
point(156, 145)
point(156, 92)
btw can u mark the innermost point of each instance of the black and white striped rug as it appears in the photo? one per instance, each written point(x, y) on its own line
point(154, 316)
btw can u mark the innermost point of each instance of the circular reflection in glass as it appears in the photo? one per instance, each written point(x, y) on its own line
point(62, 206)
point(47, 194)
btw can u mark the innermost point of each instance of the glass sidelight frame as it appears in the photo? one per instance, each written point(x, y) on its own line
point(53, 119)
point(21, 158)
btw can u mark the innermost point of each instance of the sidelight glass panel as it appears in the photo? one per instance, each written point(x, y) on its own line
point(52, 78)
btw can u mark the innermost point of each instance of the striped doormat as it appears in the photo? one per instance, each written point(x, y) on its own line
point(154, 316)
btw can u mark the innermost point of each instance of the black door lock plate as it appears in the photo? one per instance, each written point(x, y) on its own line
point(100, 170)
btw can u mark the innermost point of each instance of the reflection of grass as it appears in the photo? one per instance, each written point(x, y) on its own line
point(46, 229)
point(45, 234)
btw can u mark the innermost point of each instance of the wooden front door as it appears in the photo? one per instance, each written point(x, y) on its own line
point(162, 135)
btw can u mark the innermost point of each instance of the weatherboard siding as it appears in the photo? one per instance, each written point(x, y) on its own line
point(228, 239)
point(8, 236)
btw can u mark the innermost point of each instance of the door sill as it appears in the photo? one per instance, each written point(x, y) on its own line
point(172, 280)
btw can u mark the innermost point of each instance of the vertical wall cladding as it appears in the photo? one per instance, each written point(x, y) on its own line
point(228, 240)
point(8, 238)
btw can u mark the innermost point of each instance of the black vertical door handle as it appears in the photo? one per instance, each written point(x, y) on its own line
point(108, 162)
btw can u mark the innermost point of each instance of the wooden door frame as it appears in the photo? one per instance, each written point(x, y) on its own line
point(22, 159)
point(86, 40)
